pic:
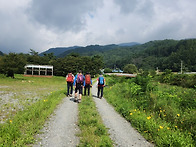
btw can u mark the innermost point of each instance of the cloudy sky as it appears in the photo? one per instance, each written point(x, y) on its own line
point(42, 24)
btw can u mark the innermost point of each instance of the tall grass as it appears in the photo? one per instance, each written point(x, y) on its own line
point(165, 115)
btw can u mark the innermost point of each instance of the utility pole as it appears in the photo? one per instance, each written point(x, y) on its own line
point(181, 66)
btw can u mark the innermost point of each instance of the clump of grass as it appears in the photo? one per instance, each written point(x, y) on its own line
point(93, 132)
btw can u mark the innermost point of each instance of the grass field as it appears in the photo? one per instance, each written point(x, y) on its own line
point(26, 102)
point(16, 94)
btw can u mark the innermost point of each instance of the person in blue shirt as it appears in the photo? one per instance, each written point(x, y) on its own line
point(100, 84)
point(79, 83)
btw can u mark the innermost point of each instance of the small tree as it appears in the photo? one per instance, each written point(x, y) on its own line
point(130, 68)
point(13, 63)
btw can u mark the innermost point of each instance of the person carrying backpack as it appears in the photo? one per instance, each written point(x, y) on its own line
point(79, 83)
point(101, 83)
point(88, 83)
point(70, 80)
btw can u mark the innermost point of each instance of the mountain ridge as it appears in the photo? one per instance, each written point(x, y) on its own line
point(63, 51)
point(58, 50)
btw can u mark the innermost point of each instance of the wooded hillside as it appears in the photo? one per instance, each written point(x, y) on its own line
point(164, 54)
point(161, 54)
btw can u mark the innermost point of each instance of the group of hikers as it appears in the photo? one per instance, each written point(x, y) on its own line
point(80, 81)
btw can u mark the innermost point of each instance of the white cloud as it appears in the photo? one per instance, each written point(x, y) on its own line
point(43, 24)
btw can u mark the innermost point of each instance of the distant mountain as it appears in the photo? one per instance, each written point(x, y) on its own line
point(129, 44)
point(58, 50)
point(1, 53)
point(89, 50)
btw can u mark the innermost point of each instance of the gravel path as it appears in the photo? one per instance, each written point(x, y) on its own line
point(61, 129)
point(120, 130)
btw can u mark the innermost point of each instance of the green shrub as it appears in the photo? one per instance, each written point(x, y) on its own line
point(183, 80)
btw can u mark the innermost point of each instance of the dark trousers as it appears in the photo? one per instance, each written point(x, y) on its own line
point(69, 87)
point(87, 87)
point(79, 88)
point(100, 88)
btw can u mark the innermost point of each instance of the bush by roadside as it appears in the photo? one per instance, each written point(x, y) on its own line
point(183, 80)
point(164, 115)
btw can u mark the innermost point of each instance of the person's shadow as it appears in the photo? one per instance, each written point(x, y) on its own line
point(73, 100)
point(95, 96)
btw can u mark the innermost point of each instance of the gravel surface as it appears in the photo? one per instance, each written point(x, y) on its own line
point(61, 129)
point(120, 130)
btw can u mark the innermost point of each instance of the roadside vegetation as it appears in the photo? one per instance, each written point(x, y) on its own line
point(183, 80)
point(163, 114)
point(93, 132)
point(26, 103)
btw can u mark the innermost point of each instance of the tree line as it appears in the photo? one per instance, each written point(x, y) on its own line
point(14, 63)
point(162, 54)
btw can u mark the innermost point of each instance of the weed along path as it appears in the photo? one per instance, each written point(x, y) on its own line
point(120, 130)
point(61, 129)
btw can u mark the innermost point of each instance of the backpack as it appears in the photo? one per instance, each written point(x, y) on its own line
point(88, 79)
point(80, 79)
point(70, 78)
point(101, 81)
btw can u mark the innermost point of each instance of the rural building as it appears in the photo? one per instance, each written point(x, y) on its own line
point(38, 70)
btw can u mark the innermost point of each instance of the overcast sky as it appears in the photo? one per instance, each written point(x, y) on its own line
point(43, 24)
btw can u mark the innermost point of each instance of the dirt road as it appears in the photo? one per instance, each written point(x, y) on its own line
point(61, 129)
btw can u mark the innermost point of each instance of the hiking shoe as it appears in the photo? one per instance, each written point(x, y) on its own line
point(101, 97)
point(75, 99)
point(79, 100)
point(70, 95)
